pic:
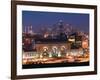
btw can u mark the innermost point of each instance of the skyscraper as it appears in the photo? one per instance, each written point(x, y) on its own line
point(30, 31)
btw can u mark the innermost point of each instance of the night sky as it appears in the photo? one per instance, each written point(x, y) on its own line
point(38, 19)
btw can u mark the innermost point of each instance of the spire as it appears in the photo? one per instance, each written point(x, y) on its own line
point(31, 27)
point(61, 27)
point(30, 31)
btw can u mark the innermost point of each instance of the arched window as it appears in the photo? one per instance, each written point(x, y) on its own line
point(54, 51)
point(63, 51)
point(45, 52)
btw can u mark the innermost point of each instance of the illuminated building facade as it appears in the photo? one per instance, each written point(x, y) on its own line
point(52, 48)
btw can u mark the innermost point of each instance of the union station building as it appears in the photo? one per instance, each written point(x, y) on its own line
point(52, 47)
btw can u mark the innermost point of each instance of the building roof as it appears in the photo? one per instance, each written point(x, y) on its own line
point(48, 41)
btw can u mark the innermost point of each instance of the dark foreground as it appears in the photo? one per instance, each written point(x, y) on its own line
point(28, 66)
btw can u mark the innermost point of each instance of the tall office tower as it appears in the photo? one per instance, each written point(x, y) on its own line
point(30, 31)
point(61, 27)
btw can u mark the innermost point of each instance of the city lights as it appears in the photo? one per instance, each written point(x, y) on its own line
point(48, 48)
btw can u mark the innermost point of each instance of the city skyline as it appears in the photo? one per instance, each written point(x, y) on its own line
point(52, 39)
point(48, 19)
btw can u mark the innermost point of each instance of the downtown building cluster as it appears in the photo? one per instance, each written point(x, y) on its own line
point(61, 40)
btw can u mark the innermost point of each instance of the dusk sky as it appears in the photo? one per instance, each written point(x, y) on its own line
point(37, 19)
